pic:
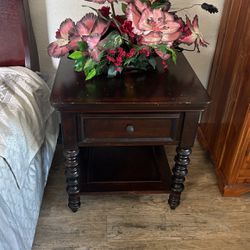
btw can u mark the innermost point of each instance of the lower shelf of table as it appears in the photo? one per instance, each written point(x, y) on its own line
point(128, 168)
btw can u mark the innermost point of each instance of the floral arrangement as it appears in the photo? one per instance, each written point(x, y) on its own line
point(107, 42)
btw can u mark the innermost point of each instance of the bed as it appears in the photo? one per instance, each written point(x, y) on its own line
point(28, 128)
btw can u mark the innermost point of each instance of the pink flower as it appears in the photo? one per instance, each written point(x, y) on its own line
point(162, 55)
point(91, 28)
point(67, 39)
point(164, 64)
point(192, 34)
point(153, 25)
point(95, 53)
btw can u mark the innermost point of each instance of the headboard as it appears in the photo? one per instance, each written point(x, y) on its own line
point(17, 42)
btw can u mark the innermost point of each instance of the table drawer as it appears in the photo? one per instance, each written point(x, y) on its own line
point(130, 127)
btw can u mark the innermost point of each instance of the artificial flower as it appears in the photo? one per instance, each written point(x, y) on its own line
point(127, 28)
point(163, 56)
point(91, 28)
point(153, 25)
point(105, 11)
point(193, 34)
point(146, 51)
point(67, 38)
point(110, 43)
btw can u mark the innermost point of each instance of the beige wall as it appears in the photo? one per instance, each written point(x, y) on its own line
point(47, 15)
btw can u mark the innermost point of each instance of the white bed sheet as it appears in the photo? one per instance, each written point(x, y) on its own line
point(28, 136)
point(19, 208)
point(24, 110)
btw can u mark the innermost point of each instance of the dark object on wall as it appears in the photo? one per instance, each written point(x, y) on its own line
point(225, 126)
point(210, 8)
point(17, 42)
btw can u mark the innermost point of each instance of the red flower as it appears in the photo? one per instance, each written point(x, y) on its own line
point(164, 64)
point(118, 69)
point(128, 29)
point(104, 11)
point(112, 52)
point(145, 51)
point(131, 53)
point(118, 61)
point(120, 19)
point(121, 52)
point(184, 29)
point(110, 59)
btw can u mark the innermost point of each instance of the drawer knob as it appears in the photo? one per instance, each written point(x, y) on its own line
point(130, 129)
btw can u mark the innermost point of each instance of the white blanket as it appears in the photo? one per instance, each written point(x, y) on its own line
point(24, 110)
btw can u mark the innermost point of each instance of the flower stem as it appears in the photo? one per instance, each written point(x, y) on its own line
point(195, 46)
point(97, 11)
point(117, 24)
point(186, 8)
point(113, 8)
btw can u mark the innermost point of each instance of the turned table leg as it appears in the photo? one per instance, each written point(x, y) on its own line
point(179, 172)
point(72, 173)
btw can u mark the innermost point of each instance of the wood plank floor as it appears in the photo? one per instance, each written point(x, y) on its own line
point(129, 221)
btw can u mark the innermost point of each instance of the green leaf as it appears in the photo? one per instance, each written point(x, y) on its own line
point(79, 64)
point(125, 38)
point(173, 55)
point(158, 4)
point(78, 67)
point(76, 55)
point(166, 50)
point(90, 74)
point(111, 71)
point(89, 64)
point(162, 47)
point(129, 61)
point(101, 54)
point(100, 66)
point(113, 40)
point(83, 46)
point(124, 7)
point(152, 62)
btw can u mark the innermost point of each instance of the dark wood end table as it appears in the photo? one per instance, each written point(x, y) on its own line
point(149, 109)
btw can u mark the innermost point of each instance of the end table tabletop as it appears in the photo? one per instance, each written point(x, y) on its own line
point(143, 109)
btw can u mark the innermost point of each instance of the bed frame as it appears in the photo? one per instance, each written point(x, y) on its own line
point(17, 41)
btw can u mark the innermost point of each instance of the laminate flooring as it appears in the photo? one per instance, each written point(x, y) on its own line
point(135, 221)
